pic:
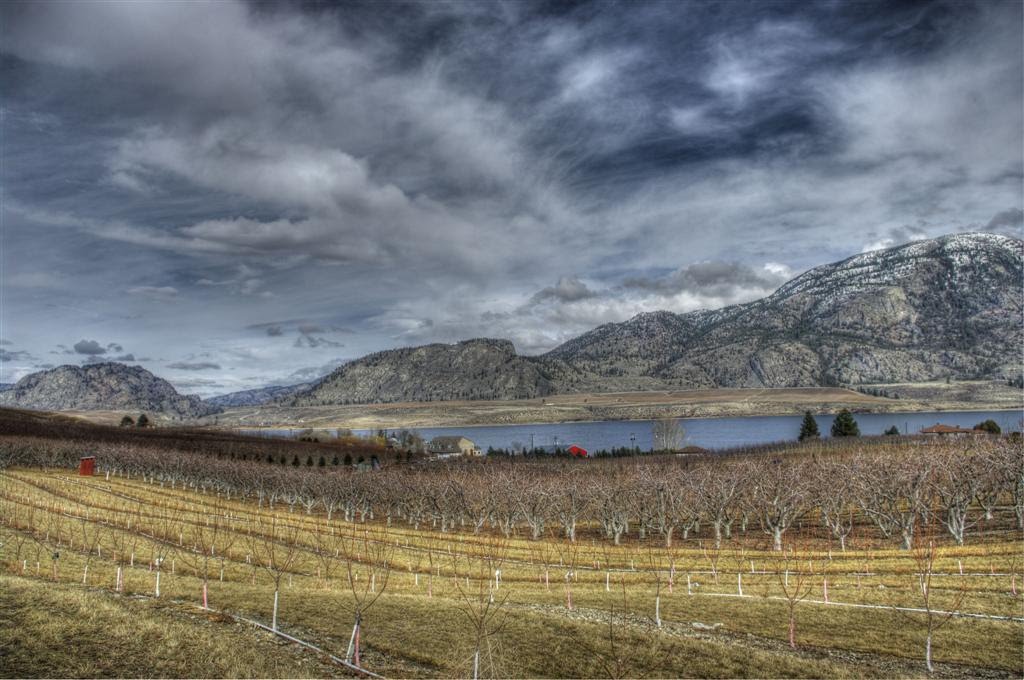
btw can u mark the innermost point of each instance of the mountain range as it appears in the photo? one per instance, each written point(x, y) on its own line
point(946, 308)
point(950, 307)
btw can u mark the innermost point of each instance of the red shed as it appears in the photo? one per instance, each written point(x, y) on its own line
point(87, 466)
point(577, 451)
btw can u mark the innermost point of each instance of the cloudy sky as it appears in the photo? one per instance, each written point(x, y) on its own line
point(236, 194)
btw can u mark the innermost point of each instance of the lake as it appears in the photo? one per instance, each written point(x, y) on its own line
point(710, 433)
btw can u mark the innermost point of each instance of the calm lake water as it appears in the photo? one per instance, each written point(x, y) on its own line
point(711, 433)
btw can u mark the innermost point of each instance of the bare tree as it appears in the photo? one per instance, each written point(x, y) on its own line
point(368, 563)
point(273, 545)
point(931, 618)
point(795, 584)
point(778, 495)
point(668, 434)
point(481, 599)
point(210, 538)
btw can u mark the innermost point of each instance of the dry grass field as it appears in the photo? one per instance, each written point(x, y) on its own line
point(977, 395)
point(104, 576)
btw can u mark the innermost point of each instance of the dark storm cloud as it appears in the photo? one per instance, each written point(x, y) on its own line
point(194, 366)
point(9, 355)
point(1008, 222)
point(568, 289)
point(312, 341)
point(177, 173)
point(717, 279)
point(103, 359)
point(90, 347)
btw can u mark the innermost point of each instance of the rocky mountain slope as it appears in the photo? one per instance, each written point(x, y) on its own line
point(102, 386)
point(474, 369)
point(258, 396)
point(949, 307)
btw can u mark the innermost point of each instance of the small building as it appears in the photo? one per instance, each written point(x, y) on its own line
point(87, 466)
point(577, 451)
point(452, 446)
point(938, 429)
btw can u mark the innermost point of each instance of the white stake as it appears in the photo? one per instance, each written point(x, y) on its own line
point(739, 584)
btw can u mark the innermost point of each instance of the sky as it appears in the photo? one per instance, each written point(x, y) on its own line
point(234, 195)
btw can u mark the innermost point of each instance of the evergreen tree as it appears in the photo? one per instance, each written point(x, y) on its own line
point(295, 461)
point(143, 421)
point(844, 425)
point(809, 427)
point(322, 462)
point(309, 461)
point(348, 459)
point(892, 431)
point(127, 422)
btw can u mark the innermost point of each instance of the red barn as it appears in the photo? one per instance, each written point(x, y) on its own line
point(87, 466)
point(577, 451)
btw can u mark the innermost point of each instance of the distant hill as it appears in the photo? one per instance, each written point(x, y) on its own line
point(6, 386)
point(258, 396)
point(102, 387)
point(949, 307)
point(474, 369)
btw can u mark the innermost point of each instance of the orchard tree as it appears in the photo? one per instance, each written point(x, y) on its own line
point(127, 421)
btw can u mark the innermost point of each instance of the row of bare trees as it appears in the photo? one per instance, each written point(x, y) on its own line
point(890, 490)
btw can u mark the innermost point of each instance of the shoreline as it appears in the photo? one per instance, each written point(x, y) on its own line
point(235, 428)
point(492, 414)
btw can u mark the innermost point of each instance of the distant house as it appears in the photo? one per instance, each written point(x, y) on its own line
point(443, 447)
point(938, 429)
point(577, 451)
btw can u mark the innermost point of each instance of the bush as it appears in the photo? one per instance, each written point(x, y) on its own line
point(990, 426)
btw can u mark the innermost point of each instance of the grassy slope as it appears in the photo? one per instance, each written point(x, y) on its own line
point(59, 630)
